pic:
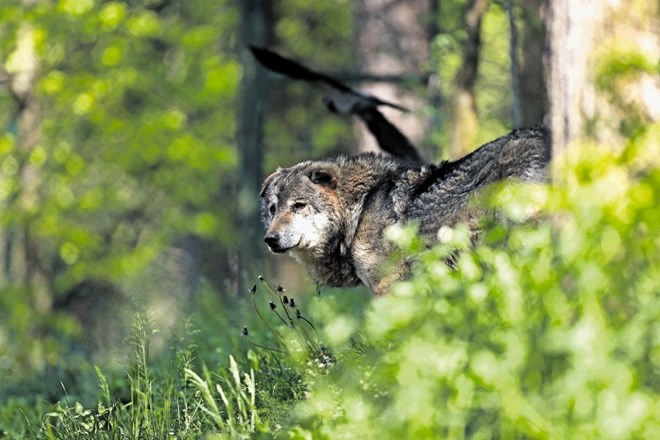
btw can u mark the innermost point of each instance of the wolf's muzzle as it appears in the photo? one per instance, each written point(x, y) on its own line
point(272, 239)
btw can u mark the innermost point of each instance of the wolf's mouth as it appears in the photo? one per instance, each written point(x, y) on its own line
point(277, 249)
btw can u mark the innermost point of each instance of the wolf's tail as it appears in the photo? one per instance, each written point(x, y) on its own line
point(521, 155)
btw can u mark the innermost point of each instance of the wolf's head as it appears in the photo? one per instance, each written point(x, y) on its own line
point(301, 210)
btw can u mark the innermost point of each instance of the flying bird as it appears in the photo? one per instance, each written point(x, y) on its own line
point(346, 100)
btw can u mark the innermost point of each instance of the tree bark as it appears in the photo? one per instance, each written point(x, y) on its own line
point(21, 259)
point(393, 38)
point(251, 112)
point(594, 92)
point(515, 67)
point(465, 124)
point(571, 25)
point(531, 72)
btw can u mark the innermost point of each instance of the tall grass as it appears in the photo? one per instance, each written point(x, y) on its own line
point(171, 401)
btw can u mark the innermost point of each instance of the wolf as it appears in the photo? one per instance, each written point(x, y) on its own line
point(330, 214)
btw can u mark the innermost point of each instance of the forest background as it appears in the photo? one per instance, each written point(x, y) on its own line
point(136, 134)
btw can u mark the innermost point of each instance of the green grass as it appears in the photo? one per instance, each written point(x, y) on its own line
point(186, 392)
point(165, 398)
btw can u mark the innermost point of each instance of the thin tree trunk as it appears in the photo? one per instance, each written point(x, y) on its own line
point(465, 124)
point(251, 112)
point(21, 260)
point(513, 56)
point(531, 72)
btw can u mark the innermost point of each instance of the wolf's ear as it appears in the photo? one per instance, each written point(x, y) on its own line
point(270, 179)
point(324, 176)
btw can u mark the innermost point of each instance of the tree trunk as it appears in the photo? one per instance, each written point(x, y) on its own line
point(251, 111)
point(531, 73)
point(571, 25)
point(594, 89)
point(465, 124)
point(393, 38)
point(21, 258)
point(515, 67)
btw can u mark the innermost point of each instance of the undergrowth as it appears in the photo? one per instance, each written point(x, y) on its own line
point(180, 396)
point(546, 329)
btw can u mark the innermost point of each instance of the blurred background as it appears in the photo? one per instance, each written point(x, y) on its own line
point(135, 134)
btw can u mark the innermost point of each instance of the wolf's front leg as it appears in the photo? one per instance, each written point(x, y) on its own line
point(376, 269)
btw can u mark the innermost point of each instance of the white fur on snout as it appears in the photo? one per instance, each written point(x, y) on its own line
point(302, 233)
point(312, 229)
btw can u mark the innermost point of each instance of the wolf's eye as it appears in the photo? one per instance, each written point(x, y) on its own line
point(271, 209)
point(298, 206)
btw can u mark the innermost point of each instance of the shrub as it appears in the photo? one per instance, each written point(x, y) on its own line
point(547, 329)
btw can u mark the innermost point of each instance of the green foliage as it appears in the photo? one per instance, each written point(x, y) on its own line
point(619, 65)
point(546, 329)
point(494, 79)
point(20, 352)
point(135, 150)
point(165, 399)
point(20, 417)
point(133, 103)
point(492, 88)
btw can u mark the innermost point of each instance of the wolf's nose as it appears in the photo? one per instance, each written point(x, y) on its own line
point(272, 238)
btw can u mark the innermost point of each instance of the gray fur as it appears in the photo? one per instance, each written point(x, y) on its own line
point(330, 214)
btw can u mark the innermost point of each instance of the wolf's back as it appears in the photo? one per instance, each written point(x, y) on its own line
point(441, 194)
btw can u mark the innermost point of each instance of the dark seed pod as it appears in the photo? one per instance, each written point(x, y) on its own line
point(253, 289)
point(272, 305)
point(292, 303)
point(245, 331)
point(298, 315)
point(281, 289)
point(285, 299)
point(260, 278)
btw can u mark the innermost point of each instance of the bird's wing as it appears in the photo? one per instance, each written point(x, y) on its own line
point(347, 101)
point(277, 63)
point(389, 137)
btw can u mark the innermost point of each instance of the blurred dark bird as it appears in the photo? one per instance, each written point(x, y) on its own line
point(347, 101)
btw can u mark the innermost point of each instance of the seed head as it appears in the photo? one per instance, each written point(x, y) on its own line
point(245, 331)
point(272, 305)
